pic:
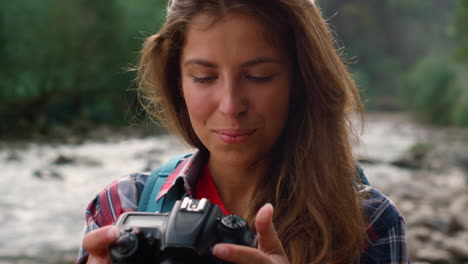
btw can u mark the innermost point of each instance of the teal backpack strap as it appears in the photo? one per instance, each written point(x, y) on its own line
point(154, 183)
point(361, 174)
point(147, 190)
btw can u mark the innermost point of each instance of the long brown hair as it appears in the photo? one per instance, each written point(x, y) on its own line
point(317, 208)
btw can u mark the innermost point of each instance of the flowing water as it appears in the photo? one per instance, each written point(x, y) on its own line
point(43, 217)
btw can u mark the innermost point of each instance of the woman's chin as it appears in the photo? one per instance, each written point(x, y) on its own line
point(236, 158)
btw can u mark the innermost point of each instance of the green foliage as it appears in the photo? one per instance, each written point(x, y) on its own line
point(64, 61)
point(394, 45)
point(461, 30)
point(460, 111)
point(386, 38)
point(431, 90)
point(421, 147)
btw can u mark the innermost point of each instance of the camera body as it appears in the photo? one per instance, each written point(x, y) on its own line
point(185, 235)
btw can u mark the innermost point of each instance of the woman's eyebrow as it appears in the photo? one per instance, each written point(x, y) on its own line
point(249, 63)
point(201, 62)
point(261, 60)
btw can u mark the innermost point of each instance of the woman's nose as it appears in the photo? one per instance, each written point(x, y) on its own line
point(232, 100)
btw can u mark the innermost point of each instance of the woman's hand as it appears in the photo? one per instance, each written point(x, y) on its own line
point(97, 243)
point(269, 251)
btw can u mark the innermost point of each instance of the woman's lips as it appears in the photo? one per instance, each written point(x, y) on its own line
point(233, 136)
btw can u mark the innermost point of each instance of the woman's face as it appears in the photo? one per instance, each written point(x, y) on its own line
point(236, 84)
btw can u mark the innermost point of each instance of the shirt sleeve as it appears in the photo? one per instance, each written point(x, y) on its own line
point(391, 248)
point(117, 198)
point(386, 232)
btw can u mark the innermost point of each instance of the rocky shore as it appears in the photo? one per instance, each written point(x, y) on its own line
point(423, 169)
point(429, 184)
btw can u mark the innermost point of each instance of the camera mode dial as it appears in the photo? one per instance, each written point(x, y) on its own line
point(233, 229)
point(233, 222)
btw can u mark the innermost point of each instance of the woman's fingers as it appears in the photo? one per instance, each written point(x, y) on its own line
point(97, 260)
point(268, 240)
point(97, 242)
point(240, 254)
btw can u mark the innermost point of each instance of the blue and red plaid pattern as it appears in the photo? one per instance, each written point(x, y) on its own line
point(385, 231)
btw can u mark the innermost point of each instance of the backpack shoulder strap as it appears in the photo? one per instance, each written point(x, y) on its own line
point(154, 183)
point(361, 174)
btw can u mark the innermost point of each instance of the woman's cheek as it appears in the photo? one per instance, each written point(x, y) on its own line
point(198, 104)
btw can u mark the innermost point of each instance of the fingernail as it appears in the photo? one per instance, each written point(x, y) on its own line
point(220, 251)
point(113, 232)
point(266, 217)
point(269, 205)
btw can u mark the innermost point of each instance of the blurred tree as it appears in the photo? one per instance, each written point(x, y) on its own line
point(460, 110)
point(461, 30)
point(64, 61)
point(431, 90)
point(384, 39)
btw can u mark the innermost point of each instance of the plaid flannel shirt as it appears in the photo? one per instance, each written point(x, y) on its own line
point(385, 230)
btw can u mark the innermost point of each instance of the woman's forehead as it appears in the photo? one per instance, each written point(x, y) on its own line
point(207, 21)
point(243, 29)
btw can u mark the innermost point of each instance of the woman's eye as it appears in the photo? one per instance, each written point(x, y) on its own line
point(204, 79)
point(260, 79)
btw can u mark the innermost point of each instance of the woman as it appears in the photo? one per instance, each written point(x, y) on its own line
point(259, 89)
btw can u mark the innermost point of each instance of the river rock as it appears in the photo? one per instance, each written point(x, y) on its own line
point(417, 238)
point(151, 164)
point(101, 133)
point(423, 216)
point(414, 246)
point(419, 233)
point(66, 160)
point(414, 157)
point(66, 135)
point(150, 154)
point(434, 254)
point(463, 161)
point(406, 206)
point(438, 238)
point(458, 246)
point(459, 212)
point(47, 174)
point(12, 157)
point(368, 160)
point(62, 160)
point(60, 132)
point(409, 191)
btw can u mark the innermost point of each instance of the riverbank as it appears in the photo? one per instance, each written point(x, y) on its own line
point(46, 186)
point(424, 170)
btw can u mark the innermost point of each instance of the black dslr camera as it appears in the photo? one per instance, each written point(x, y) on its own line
point(185, 235)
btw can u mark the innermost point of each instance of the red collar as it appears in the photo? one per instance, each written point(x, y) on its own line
point(207, 189)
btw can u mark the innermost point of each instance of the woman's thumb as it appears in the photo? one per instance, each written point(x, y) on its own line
point(97, 242)
point(268, 240)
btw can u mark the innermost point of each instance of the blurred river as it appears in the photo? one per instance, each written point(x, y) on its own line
point(46, 187)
